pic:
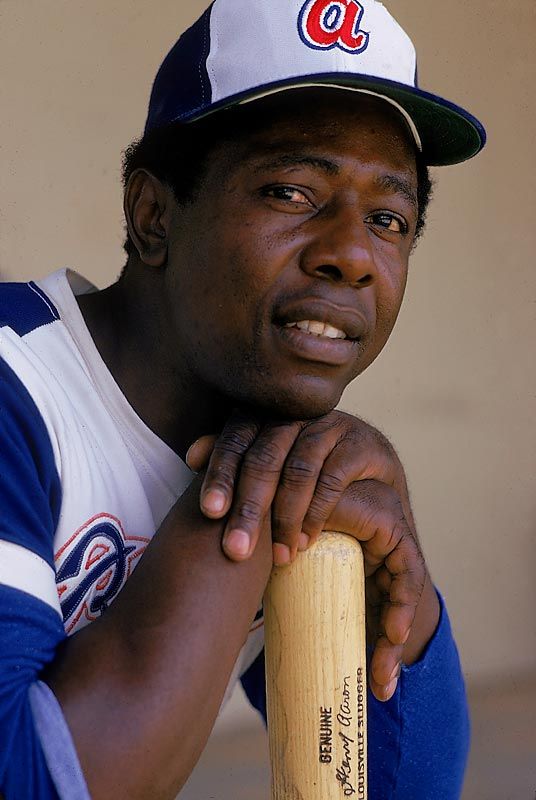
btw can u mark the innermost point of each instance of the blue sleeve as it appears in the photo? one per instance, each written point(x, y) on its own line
point(30, 628)
point(57, 743)
point(28, 636)
point(418, 742)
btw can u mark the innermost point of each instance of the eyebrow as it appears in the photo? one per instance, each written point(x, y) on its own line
point(323, 164)
point(394, 184)
point(398, 185)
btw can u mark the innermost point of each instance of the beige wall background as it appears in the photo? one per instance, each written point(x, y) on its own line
point(456, 387)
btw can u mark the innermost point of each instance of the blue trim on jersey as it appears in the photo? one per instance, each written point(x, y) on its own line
point(25, 307)
point(253, 683)
point(418, 742)
point(187, 85)
point(30, 488)
point(30, 633)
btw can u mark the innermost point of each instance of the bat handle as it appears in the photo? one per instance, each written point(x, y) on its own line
point(316, 671)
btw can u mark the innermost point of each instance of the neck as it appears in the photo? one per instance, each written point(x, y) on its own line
point(127, 324)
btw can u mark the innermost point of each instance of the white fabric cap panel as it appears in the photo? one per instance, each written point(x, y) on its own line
point(272, 32)
point(21, 569)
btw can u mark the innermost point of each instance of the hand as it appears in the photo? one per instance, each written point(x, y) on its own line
point(402, 608)
point(297, 470)
point(334, 473)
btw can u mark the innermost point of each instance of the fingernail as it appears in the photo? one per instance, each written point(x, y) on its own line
point(395, 673)
point(187, 456)
point(303, 542)
point(214, 501)
point(236, 542)
point(281, 554)
point(390, 689)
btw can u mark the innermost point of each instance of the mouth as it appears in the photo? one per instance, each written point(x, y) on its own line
point(318, 330)
point(313, 341)
point(314, 327)
point(320, 317)
point(322, 333)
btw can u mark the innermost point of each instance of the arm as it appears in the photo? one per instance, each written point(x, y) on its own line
point(147, 679)
point(141, 687)
point(161, 658)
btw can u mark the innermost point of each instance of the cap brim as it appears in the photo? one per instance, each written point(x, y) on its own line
point(448, 133)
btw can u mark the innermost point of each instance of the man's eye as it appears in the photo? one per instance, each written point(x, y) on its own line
point(288, 193)
point(389, 221)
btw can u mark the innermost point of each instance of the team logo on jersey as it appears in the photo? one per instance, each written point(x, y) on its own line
point(92, 567)
point(324, 24)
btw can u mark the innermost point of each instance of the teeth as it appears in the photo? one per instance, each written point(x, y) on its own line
point(317, 328)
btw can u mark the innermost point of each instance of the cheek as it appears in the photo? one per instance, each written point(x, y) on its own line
point(222, 295)
point(251, 259)
point(389, 296)
point(239, 282)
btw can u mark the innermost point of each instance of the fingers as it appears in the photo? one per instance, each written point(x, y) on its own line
point(372, 512)
point(199, 453)
point(301, 474)
point(297, 471)
point(222, 471)
point(329, 455)
point(385, 655)
point(253, 464)
point(260, 473)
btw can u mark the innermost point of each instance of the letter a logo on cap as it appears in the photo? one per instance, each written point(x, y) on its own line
point(324, 24)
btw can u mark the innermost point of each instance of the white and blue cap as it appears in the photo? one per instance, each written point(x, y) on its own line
point(242, 50)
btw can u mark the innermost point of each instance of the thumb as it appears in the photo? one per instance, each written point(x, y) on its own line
point(199, 452)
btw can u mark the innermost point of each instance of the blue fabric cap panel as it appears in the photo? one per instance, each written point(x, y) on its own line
point(182, 84)
point(418, 742)
point(30, 489)
point(24, 307)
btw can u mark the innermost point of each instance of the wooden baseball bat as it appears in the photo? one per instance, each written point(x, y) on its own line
point(316, 673)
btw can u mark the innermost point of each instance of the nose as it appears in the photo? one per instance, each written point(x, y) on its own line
point(340, 250)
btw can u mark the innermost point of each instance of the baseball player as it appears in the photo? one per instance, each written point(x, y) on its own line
point(165, 441)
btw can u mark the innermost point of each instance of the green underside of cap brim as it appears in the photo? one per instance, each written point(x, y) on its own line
point(449, 135)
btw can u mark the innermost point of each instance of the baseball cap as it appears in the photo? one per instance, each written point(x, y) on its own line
point(240, 51)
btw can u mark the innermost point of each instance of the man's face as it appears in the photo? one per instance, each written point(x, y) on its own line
point(286, 274)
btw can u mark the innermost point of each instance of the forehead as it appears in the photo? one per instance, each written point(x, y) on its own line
point(341, 122)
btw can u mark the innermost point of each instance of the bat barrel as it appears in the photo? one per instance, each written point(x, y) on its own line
point(316, 673)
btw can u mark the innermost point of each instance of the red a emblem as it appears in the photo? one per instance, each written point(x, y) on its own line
point(324, 24)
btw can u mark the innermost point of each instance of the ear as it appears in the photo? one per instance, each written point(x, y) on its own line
point(147, 206)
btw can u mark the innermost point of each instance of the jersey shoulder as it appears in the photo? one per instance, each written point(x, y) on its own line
point(24, 307)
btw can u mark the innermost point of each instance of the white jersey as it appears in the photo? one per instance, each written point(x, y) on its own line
point(115, 479)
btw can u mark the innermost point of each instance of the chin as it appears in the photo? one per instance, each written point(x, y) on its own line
point(293, 405)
